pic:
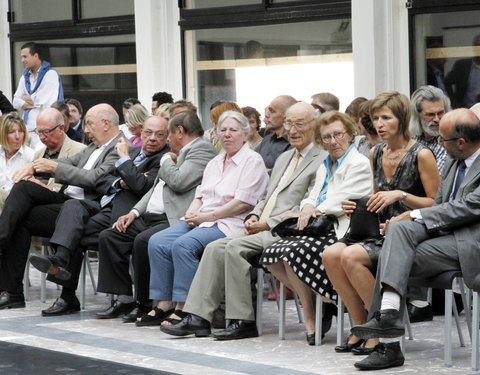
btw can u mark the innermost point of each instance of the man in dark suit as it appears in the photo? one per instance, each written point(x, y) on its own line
point(76, 113)
point(181, 171)
point(80, 221)
point(431, 240)
point(32, 209)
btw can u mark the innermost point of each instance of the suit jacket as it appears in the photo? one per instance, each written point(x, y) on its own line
point(69, 148)
point(353, 179)
point(139, 180)
point(297, 187)
point(460, 216)
point(70, 170)
point(181, 179)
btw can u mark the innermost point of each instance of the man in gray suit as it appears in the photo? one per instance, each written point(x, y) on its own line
point(32, 209)
point(224, 271)
point(181, 171)
point(431, 240)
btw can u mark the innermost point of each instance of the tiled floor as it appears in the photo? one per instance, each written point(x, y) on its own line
point(147, 347)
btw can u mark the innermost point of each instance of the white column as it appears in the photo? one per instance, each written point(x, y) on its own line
point(157, 37)
point(5, 66)
point(380, 47)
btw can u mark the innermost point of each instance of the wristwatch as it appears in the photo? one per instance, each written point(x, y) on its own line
point(404, 196)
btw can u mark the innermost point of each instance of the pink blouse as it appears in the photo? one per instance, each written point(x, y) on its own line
point(244, 178)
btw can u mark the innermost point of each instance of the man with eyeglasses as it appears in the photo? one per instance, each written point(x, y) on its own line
point(224, 271)
point(276, 142)
point(429, 104)
point(80, 221)
point(32, 209)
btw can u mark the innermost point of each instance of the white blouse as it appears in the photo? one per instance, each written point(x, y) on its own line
point(8, 167)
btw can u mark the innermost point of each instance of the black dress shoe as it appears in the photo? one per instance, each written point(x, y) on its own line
point(419, 314)
point(345, 348)
point(362, 350)
point(311, 338)
point(329, 310)
point(383, 356)
point(50, 265)
point(62, 307)
point(139, 310)
point(115, 310)
point(11, 300)
point(237, 329)
point(385, 323)
point(190, 325)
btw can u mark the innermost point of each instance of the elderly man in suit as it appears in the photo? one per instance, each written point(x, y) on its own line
point(80, 221)
point(224, 271)
point(32, 209)
point(181, 171)
point(431, 240)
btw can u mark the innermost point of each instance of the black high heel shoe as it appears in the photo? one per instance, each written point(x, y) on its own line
point(311, 338)
point(345, 348)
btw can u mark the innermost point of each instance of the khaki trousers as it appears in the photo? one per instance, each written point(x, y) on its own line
point(224, 273)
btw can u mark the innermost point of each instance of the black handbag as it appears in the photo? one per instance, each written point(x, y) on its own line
point(363, 224)
point(317, 227)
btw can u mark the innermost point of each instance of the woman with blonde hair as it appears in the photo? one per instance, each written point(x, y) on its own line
point(135, 116)
point(14, 152)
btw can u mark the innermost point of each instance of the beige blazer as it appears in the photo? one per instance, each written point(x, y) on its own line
point(69, 148)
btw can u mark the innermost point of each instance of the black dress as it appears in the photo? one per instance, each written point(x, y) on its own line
point(405, 178)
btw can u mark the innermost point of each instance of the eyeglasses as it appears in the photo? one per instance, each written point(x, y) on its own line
point(441, 139)
point(46, 132)
point(432, 115)
point(337, 136)
point(148, 134)
point(299, 125)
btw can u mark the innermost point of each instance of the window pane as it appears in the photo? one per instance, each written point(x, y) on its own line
point(93, 70)
point(252, 65)
point(106, 8)
point(37, 11)
point(200, 4)
point(448, 54)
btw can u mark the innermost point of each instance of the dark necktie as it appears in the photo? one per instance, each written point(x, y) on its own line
point(460, 176)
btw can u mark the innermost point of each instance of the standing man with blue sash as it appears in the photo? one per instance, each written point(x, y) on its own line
point(38, 88)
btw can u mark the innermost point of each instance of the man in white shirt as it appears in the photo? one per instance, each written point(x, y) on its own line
point(38, 88)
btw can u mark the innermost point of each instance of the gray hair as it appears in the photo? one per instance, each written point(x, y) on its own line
point(238, 117)
point(429, 93)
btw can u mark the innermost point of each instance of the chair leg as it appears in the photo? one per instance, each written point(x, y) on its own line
point(83, 276)
point(340, 321)
point(90, 273)
point(448, 328)
point(318, 319)
point(457, 323)
point(475, 332)
point(260, 274)
point(281, 323)
point(466, 307)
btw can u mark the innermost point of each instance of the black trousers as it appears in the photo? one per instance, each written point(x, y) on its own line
point(84, 237)
point(30, 209)
point(114, 256)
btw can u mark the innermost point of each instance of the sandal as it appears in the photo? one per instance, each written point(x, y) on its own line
point(153, 320)
point(178, 313)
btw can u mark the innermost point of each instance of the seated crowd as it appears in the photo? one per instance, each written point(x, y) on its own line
point(191, 209)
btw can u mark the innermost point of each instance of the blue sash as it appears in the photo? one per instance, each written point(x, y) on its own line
point(41, 73)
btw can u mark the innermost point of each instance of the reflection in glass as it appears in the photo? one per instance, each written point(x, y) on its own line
point(448, 55)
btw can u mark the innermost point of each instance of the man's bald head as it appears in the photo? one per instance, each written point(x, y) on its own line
point(101, 123)
point(51, 129)
point(460, 133)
